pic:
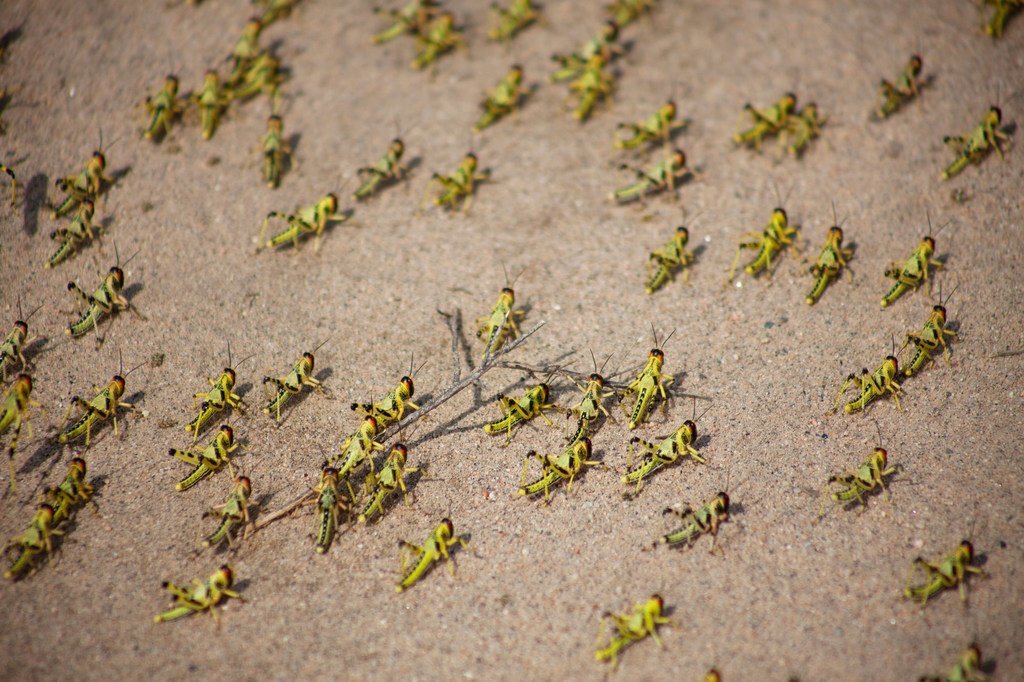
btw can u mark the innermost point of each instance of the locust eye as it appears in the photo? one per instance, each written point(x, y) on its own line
point(657, 353)
point(330, 471)
point(274, 118)
point(308, 357)
point(597, 378)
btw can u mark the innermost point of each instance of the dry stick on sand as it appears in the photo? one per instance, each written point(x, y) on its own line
point(490, 362)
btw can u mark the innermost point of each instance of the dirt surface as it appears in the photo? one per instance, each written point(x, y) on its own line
point(785, 597)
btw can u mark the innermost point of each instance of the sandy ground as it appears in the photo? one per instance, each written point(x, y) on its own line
point(786, 598)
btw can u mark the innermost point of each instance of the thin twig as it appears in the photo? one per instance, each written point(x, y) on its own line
point(454, 321)
point(287, 509)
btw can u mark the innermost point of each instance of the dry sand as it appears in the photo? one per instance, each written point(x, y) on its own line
point(787, 598)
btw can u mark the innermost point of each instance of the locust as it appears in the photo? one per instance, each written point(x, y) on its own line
point(830, 263)
point(667, 174)
point(802, 128)
point(647, 386)
point(516, 411)
point(631, 628)
point(311, 220)
point(508, 22)
point(330, 504)
point(594, 84)
point(1004, 9)
point(388, 170)
point(625, 12)
point(358, 447)
point(856, 486)
point(203, 595)
point(694, 524)
point(275, 10)
point(100, 408)
point(457, 189)
point(670, 450)
point(244, 53)
point(871, 385)
point(220, 395)
point(233, 513)
point(72, 492)
point(437, 547)
point(14, 413)
point(973, 147)
point(72, 236)
point(591, 405)
point(663, 263)
point(13, 346)
point(211, 100)
point(275, 151)
point(412, 19)
point(503, 100)
point(930, 339)
point(88, 184)
point(892, 96)
point(291, 384)
point(501, 325)
point(554, 469)
point(208, 460)
point(163, 108)
point(603, 44)
point(380, 486)
point(913, 272)
point(438, 37)
point(103, 302)
point(263, 76)
point(33, 542)
point(391, 408)
point(657, 126)
point(967, 668)
point(777, 234)
point(951, 571)
point(770, 121)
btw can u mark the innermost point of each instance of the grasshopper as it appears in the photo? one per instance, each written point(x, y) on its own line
point(275, 150)
point(871, 385)
point(14, 413)
point(359, 447)
point(831, 262)
point(207, 460)
point(411, 19)
point(437, 547)
point(973, 147)
point(631, 628)
point(857, 485)
point(663, 263)
point(777, 234)
point(503, 100)
point(103, 406)
point(311, 220)
point(460, 185)
point(381, 485)
point(647, 386)
point(105, 301)
point(565, 467)
point(625, 12)
point(275, 10)
point(14, 344)
point(670, 171)
point(516, 411)
point(951, 571)
point(1004, 9)
point(658, 125)
point(244, 53)
point(88, 184)
point(591, 405)
point(234, 512)
point(930, 339)
point(967, 668)
point(670, 450)
point(892, 96)
point(262, 76)
point(220, 395)
point(330, 504)
point(388, 170)
point(603, 43)
point(203, 595)
point(33, 542)
point(802, 128)
point(913, 272)
point(438, 37)
point(211, 100)
point(509, 22)
point(391, 409)
point(72, 492)
point(74, 235)
point(704, 521)
point(770, 121)
point(14, 182)
point(500, 326)
point(291, 384)
point(163, 108)
point(593, 84)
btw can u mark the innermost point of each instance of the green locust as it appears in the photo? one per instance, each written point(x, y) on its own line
point(777, 234)
point(594, 84)
point(830, 263)
point(74, 235)
point(929, 340)
point(244, 53)
point(892, 96)
point(554, 469)
point(33, 542)
point(203, 595)
point(458, 188)
point(591, 405)
point(647, 386)
point(517, 411)
point(358, 447)
point(704, 521)
point(871, 385)
point(275, 10)
point(163, 108)
point(14, 344)
point(667, 174)
point(913, 272)
point(670, 450)
point(15, 413)
point(391, 408)
point(207, 460)
point(658, 126)
point(663, 263)
point(438, 37)
point(856, 485)
point(500, 326)
point(631, 628)
point(503, 100)
point(625, 12)
point(262, 77)
point(973, 147)
point(951, 571)
point(770, 121)
point(1004, 9)
point(102, 407)
point(330, 504)
point(388, 170)
point(381, 485)
point(275, 150)
point(220, 395)
point(291, 384)
point(103, 302)
point(436, 547)
point(233, 513)
point(72, 492)
point(603, 44)
point(802, 128)
point(509, 22)
point(211, 100)
point(88, 184)
point(311, 220)
point(412, 19)
point(967, 668)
